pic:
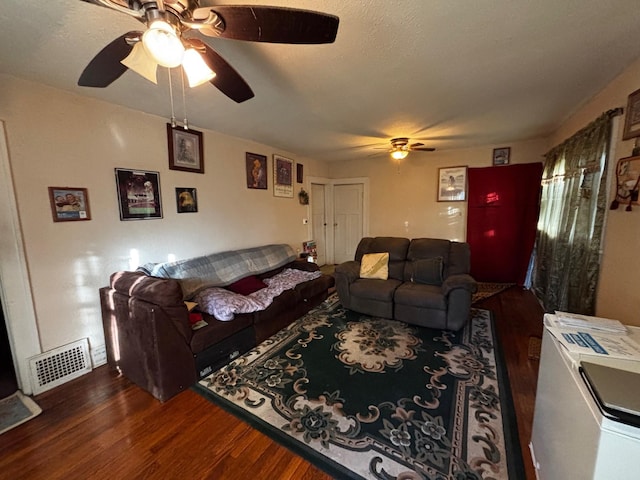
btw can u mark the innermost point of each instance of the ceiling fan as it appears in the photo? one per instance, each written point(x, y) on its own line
point(166, 42)
point(400, 148)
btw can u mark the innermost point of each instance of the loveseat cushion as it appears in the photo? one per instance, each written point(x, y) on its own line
point(418, 295)
point(427, 271)
point(381, 290)
point(395, 246)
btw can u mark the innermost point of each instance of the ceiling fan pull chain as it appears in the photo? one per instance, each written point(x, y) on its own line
point(184, 101)
point(173, 116)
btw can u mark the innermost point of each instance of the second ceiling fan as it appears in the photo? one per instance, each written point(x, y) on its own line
point(165, 41)
point(400, 148)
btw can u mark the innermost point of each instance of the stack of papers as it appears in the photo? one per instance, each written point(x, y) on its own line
point(582, 335)
point(605, 325)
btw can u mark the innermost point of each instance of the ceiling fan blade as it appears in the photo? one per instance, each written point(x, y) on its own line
point(422, 149)
point(227, 80)
point(105, 67)
point(120, 6)
point(272, 24)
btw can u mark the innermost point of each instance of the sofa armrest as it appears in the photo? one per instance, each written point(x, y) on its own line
point(303, 265)
point(459, 281)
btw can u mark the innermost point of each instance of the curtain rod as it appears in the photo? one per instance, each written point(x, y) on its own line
point(614, 112)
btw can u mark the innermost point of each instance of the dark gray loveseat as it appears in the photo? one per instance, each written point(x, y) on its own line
point(428, 282)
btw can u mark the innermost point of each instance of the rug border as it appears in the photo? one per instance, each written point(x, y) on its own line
point(515, 460)
point(322, 462)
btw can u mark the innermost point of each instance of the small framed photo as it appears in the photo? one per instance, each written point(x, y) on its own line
point(185, 149)
point(452, 184)
point(282, 177)
point(632, 118)
point(256, 171)
point(501, 156)
point(299, 173)
point(186, 200)
point(138, 194)
point(69, 204)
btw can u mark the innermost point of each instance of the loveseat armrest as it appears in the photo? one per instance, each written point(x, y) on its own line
point(350, 271)
point(345, 274)
point(459, 281)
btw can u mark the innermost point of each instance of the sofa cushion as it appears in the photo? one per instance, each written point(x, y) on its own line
point(427, 271)
point(247, 285)
point(375, 266)
point(217, 331)
point(310, 289)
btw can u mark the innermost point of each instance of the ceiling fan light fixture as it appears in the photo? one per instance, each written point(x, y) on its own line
point(196, 69)
point(399, 154)
point(163, 44)
point(141, 63)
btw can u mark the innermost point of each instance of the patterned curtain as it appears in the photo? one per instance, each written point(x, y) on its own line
point(572, 210)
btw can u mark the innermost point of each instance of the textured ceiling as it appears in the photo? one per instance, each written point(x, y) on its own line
point(451, 73)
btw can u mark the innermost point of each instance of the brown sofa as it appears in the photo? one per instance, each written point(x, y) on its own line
point(428, 282)
point(150, 339)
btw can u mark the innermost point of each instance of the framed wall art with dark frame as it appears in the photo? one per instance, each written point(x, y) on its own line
point(501, 156)
point(299, 173)
point(138, 194)
point(185, 149)
point(452, 184)
point(256, 166)
point(632, 118)
point(186, 200)
point(282, 177)
point(69, 204)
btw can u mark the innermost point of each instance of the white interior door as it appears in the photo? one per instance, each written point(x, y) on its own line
point(348, 220)
point(319, 221)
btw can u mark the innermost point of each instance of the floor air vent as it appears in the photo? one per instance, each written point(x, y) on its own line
point(58, 366)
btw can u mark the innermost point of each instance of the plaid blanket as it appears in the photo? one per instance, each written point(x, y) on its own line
point(221, 269)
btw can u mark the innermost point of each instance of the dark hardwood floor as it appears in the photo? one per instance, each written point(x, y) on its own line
point(101, 426)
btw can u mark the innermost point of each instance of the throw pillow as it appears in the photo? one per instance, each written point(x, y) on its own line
point(375, 265)
point(428, 271)
point(247, 285)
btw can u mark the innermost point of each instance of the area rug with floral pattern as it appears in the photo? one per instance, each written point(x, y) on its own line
point(365, 397)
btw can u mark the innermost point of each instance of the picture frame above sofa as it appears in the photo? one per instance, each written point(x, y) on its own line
point(69, 204)
point(138, 194)
point(282, 177)
point(185, 149)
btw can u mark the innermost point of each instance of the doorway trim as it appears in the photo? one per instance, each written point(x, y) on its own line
point(15, 286)
point(329, 205)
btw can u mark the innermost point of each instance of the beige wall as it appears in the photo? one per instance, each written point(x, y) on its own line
point(59, 139)
point(618, 295)
point(407, 193)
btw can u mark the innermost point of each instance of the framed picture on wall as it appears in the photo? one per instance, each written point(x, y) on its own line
point(138, 194)
point(69, 204)
point(632, 118)
point(452, 184)
point(186, 200)
point(282, 177)
point(256, 166)
point(501, 156)
point(185, 149)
